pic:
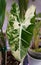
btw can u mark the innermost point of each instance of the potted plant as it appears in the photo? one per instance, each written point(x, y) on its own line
point(34, 51)
point(19, 30)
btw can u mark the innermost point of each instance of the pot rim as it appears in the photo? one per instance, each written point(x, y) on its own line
point(36, 55)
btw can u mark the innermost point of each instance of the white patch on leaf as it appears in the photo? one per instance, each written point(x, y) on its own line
point(27, 23)
point(28, 15)
point(16, 25)
point(16, 54)
point(30, 12)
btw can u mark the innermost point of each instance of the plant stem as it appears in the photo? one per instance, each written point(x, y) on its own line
point(20, 38)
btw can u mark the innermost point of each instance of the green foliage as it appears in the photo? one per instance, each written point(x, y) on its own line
point(23, 8)
point(20, 38)
point(15, 10)
point(33, 20)
point(36, 33)
point(26, 37)
point(12, 33)
point(2, 12)
point(38, 15)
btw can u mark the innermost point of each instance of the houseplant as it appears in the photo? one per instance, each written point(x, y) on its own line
point(18, 30)
point(34, 51)
point(24, 30)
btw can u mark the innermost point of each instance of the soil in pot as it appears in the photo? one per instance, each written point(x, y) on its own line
point(11, 60)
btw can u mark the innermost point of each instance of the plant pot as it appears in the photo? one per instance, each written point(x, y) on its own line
point(34, 58)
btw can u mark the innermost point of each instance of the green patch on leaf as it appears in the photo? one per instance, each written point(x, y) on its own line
point(33, 20)
point(26, 37)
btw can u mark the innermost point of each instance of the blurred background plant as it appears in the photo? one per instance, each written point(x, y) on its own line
point(2, 12)
point(23, 4)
